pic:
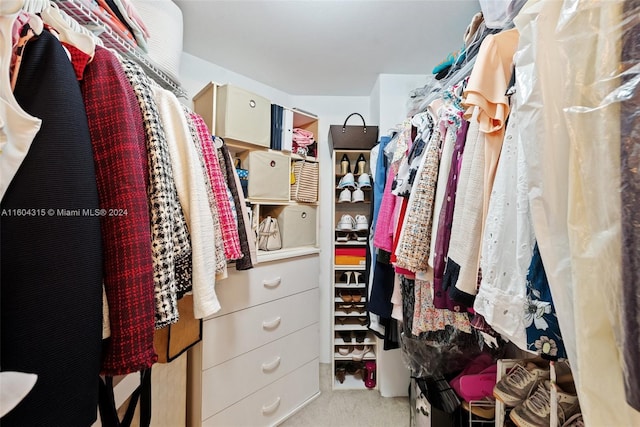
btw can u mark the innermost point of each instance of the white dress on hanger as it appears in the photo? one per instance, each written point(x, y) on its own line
point(17, 128)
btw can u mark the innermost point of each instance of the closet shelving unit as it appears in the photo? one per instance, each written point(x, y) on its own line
point(85, 17)
point(351, 320)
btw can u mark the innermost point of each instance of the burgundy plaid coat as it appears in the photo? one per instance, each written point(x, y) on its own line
point(119, 147)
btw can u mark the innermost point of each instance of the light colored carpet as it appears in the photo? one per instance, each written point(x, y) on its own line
point(350, 408)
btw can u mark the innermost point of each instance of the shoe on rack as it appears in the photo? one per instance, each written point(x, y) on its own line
point(574, 421)
point(360, 335)
point(362, 223)
point(345, 196)
point(342, 236)
point(357, 196)
point(370, 374)
point(345, 165)
point(518, 384)
point(359, 352)
point(485, 409)
point(344, 350)
point(364, 181)
point(361, 236)
point(341, 374)
point(346, 223)
point(361, 165)
point(346, 277)
point(345, 335)
point(347, 181)
point(356, 276)
point(536, 409)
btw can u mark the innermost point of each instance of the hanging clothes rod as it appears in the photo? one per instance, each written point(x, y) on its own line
point(85, 17)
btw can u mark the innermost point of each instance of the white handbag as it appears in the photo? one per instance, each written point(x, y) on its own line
point(269, 238)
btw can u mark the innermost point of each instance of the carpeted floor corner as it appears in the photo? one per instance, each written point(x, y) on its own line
point(350, 408)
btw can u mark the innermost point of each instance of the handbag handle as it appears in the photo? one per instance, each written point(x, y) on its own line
point(344, 126)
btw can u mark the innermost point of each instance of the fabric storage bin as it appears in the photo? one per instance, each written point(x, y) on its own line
point(243, 116)
point(297, 225)
point(269, 175)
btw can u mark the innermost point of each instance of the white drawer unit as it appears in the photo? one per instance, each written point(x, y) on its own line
point(270, 405)
point(226, 384)
point(258, 359)
point(229, 336)
point(266, 282)
point(243, 116)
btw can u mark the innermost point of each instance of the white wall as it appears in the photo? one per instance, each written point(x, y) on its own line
point(195, 73)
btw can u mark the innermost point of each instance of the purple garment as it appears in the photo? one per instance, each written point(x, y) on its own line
point(441, 298)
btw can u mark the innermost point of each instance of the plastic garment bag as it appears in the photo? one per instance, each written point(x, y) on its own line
point(500, 13)
point(575, 90)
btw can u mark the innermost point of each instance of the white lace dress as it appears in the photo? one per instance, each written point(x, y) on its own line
point(507, 245)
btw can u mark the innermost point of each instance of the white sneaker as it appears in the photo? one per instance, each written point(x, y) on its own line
point(361, 223)
point(347, 181)
point(364, 181)
point(345, 196)
point(346, 223)
point(357, 196)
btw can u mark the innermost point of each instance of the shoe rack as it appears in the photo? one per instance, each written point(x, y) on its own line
point(354, 346)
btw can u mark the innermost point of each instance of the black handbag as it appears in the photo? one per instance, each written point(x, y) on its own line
point(349, 137)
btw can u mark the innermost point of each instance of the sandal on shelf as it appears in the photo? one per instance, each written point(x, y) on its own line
point(341, 319)
point(360, 336)
point(346, 297)
point(346, 277)
point(343, 350)
point(356, 297)
point(345, 335)
point(355, 368)
point(356, 275)
point(344, 308)
point(341, 374)
point(359, 352)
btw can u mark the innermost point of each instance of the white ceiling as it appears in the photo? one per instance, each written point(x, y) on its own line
point(324, 47)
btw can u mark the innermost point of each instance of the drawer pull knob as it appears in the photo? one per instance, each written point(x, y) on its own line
point(268, 367)
point(303, 215)
point(273, 163)
point(272, 324)
point(274, 283)
point(252, 103)
point(266, 410)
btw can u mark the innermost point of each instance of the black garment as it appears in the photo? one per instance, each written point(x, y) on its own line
point(51, 264)
point(243, 263)
point(382, 289)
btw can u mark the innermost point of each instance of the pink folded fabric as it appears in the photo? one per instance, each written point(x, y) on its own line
point(302, 137)
point(477, 386)
point(475, 366)
point(361, 252)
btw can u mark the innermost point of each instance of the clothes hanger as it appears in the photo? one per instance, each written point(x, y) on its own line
point(34, 6)
point(10, 7)
point(68, 29)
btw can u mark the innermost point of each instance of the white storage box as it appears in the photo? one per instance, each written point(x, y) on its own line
point(243, 116)
point(269, 175)
point(297, 225)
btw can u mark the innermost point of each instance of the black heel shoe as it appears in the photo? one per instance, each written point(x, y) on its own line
point(361, 164)
point(345, 164)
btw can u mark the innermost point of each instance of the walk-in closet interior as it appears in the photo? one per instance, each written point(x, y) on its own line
point(320, 213)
